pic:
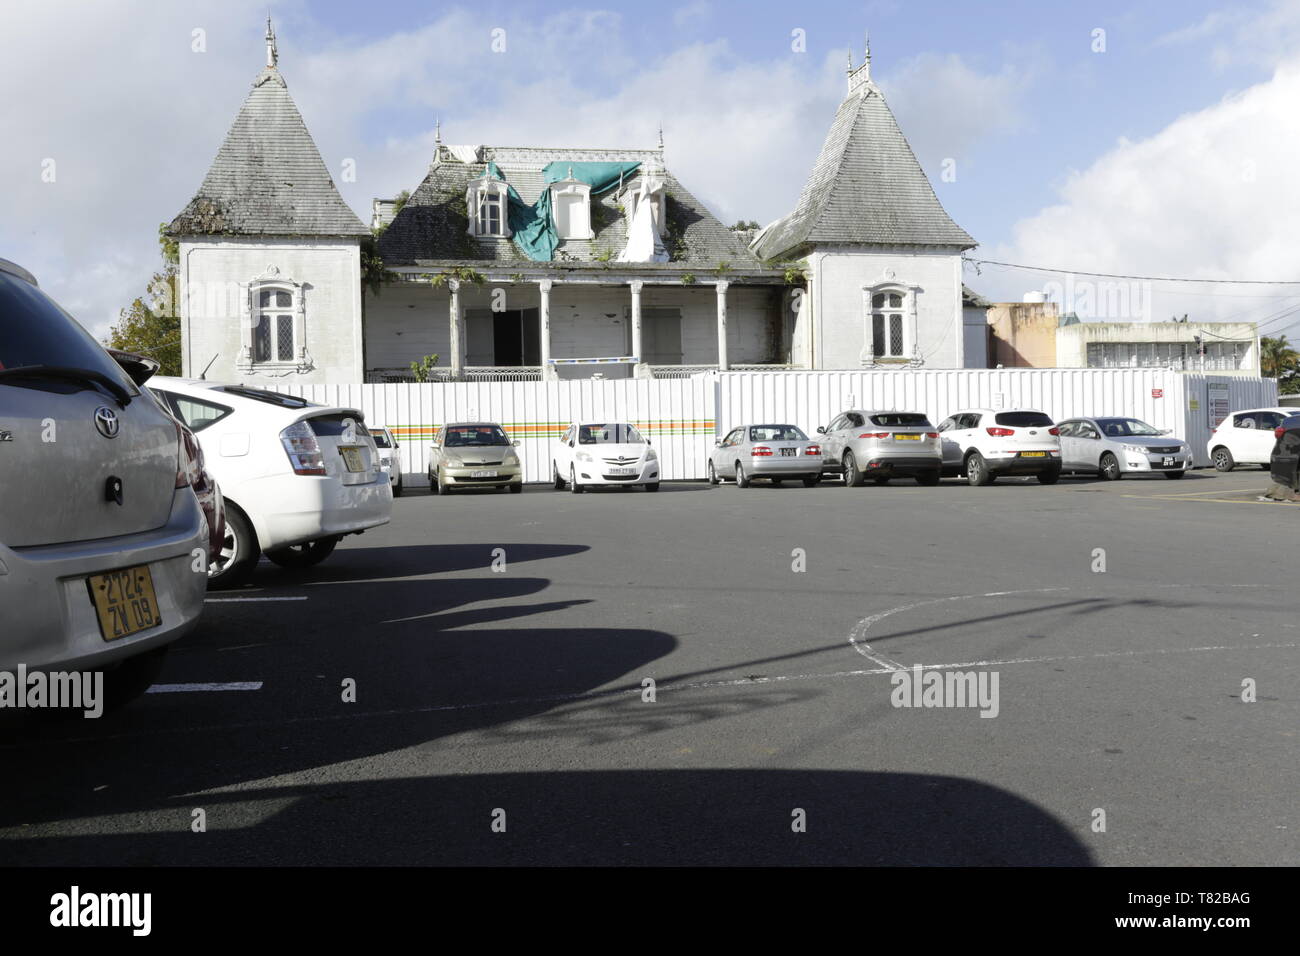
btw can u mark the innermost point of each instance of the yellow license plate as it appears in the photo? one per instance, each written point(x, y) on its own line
point(125, 601)
point(352, 459)
point(908, 437)
point(1033, 454)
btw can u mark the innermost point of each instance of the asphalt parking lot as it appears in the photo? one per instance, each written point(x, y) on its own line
point(520, 689)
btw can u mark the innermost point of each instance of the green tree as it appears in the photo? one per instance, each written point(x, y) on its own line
point(151, 324)
point(1277, 359)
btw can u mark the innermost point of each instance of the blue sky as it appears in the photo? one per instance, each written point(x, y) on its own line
point(1169, 153)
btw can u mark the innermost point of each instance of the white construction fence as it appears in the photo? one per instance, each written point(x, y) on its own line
point(681, 417)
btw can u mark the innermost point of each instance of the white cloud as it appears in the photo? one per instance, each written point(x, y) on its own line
point(114, 93)
point(1212, 195)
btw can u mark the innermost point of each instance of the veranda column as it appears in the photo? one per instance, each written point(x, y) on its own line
point(641, 369)
point(544, 320)
point(457, 325)
point(722, 326)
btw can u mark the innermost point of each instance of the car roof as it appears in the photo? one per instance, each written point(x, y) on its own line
point(15, 269)
point(885, 411)
point(470, 424)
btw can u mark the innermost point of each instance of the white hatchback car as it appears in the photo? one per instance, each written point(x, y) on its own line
point(1246, 438)
point(390, 457)
point(603, 453)
point(984, 443)
point(296, 476)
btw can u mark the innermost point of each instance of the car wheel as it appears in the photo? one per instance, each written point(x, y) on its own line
point(652, 486)
point(556, 481)
point(713, 476)
point(1108, 468)
point(397, 488)
point(1048, 477)
point(880, 479)
point(517, 488)
point(303, 555)
point(1223, 460)
point(742, 479)
point(852, 476)
point(573, 482)
point(1175, 474)
point(1265, 466)
point(239, 552)
point(132, 677)
point(812, 481)
point(977, 470)
point(929, 478)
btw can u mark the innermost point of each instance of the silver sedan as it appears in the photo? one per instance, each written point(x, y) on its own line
point(773, 452)
point(1114, 447)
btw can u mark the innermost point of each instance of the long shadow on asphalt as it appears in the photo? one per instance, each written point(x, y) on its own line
point(644, 817)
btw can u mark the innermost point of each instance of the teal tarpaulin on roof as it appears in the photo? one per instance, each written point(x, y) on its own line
point(531, 226)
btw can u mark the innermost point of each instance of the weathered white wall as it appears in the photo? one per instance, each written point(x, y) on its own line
point(330, 270)
point(838, 275)
point(1072, 340)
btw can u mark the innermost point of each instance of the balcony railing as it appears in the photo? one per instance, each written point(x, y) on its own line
point(680, 371)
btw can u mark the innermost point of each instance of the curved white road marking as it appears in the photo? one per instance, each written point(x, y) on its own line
point(861, 628)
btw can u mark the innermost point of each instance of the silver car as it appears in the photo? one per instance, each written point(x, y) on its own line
point(881, 445)
point(474, 455)
point(390, 456)
point(1114, 447)
point(102, 540)
point(772, 452)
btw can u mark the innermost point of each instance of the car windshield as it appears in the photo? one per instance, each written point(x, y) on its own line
point(905, 419)
point(461, 436)
point(614, 434)
point(35, 332)
point(776, 433)
point(381, 439)
point(1024, 419)
point(1125, 427)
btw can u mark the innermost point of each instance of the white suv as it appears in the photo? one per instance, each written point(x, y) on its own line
point(1246, 438)
point(603, 453)
point(984, 443)
point(296, 476)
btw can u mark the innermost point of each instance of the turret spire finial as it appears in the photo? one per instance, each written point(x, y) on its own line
point(272, 56)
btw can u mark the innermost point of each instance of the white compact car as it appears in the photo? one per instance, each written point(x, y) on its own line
point(390, 457)
point(603, 453)
point(296, 476)
point(1246, 438)
point(984, 443)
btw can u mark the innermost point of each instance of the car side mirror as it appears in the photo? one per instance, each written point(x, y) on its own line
point(821, 429)
point(717, 442)
point(515, 443)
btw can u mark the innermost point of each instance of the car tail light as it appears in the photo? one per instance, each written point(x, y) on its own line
point(761, 451)
point(931, 434)
point(813, 450)
point(189, 459)
point(1001, 432)
point(1053, 430)
point(874, 435)
point(1279, 431)
point(303, 450)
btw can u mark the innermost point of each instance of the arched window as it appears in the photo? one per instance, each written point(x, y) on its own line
point(274, 326)
point(889, 313)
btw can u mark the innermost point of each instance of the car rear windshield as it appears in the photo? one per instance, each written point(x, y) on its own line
point(903, 419)
point(1124, 427)
point(271, 398)
point(1024, 419)
point(381, 440)
point(459, 436)
point(333, 426)
point(35, 331)
point(615, 434)
point(776, 433)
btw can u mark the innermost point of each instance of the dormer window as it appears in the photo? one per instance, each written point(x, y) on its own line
point(487, 202)
point(571, 208)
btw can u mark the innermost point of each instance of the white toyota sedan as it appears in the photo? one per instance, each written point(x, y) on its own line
point(603, 453)
point(296, 476)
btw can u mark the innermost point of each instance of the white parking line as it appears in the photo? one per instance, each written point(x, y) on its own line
point(233, 600)
point(186, 688)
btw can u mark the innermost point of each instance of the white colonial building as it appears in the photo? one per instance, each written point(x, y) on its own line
point(525, 262)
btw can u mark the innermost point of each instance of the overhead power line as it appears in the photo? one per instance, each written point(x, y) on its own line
point(1116, 275)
